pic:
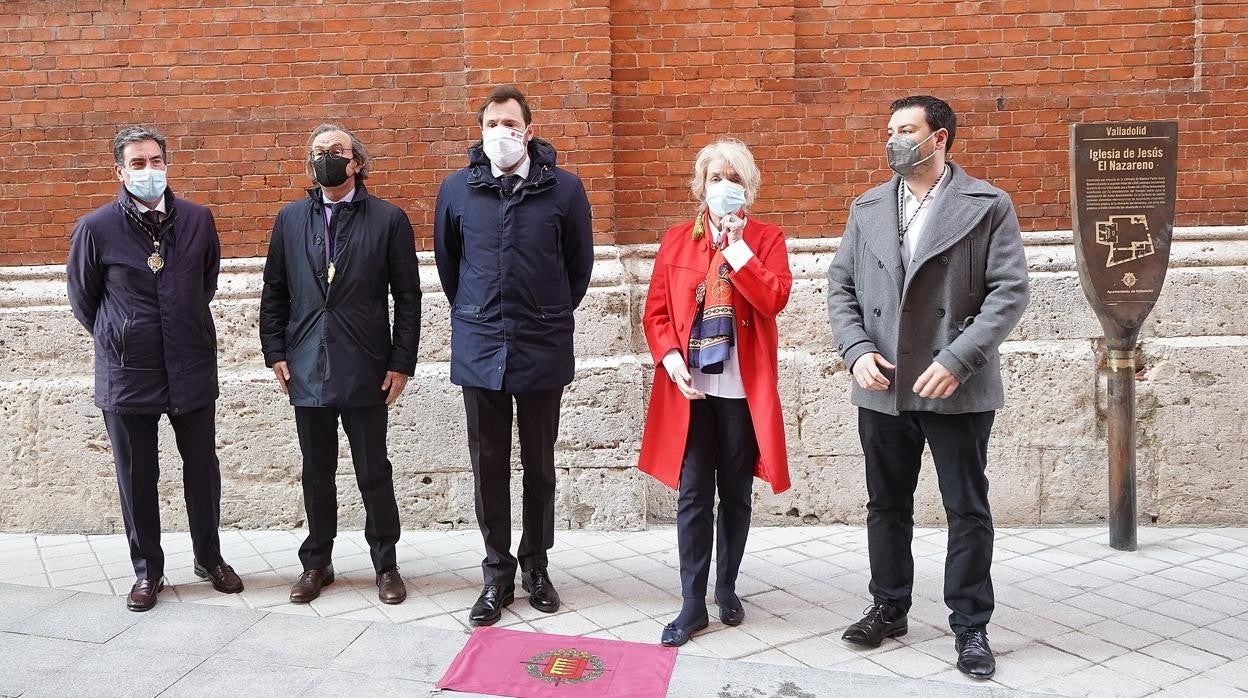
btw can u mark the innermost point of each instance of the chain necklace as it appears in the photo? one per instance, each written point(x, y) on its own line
point(901, 206)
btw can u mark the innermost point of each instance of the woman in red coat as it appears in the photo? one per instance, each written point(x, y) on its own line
point(714, 418)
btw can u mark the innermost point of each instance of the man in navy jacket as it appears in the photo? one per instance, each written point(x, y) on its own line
point(141, 272)
point(335, 258)
point(514, 246)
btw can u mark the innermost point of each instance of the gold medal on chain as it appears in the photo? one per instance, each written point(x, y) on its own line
point(154, 261)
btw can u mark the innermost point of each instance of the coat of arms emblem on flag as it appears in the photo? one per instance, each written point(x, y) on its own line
point(536, 665)
point(565, 666)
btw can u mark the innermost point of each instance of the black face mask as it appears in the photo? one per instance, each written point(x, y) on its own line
point(330, 169)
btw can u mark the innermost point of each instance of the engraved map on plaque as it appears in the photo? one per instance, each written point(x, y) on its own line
point(1122, 208)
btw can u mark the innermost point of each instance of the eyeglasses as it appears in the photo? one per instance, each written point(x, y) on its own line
point(337, 150)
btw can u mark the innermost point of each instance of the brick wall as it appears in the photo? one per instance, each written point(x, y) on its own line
point(627, 91)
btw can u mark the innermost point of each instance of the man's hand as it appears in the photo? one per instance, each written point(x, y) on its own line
point(936, 382)
point(283, 375)
point(733, 228)
point(868, 374)
point(394, 384)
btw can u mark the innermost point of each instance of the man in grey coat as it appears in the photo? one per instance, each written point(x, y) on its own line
point(929, 279)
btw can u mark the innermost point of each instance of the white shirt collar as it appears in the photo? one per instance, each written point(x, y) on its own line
point(349, 196)
point(160, 206)
point(911, 199)
point(522, 170)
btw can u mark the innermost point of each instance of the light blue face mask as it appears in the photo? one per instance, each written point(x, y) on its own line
point(724, 197)
point(147, 184)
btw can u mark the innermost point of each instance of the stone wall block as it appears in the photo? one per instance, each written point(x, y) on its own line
point(1047, 459)
point(1194, 437)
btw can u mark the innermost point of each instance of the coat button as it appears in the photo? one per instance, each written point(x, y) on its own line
point(745, 323)
point(944, 261)
point(880, 263)
point(940, 312)
point(840, 346)
point(876, 312)
point(935, 353)
point(979, 362)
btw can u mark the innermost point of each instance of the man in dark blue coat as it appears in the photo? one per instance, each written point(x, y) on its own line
point(514, 245)
point(141, 272)
point(335, 259)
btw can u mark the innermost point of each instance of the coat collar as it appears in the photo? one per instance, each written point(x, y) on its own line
point(963, 203)
point(357, 199)
point(542, 159)
point(131, 212)
point(315, 243)
point(959, 208)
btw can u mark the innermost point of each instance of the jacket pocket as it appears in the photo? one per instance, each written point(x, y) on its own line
point(974, 269)
point(471, 312)
point(548, 312)
point(122, 340)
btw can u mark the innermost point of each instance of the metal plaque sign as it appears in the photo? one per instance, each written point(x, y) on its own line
point(1122, 205)
point(1122, 181)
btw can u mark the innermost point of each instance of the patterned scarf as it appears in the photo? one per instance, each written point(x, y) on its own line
point(712, 335)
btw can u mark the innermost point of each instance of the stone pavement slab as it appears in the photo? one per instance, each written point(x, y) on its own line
point(305, 641)
point(1074, 617)
point(378, 659)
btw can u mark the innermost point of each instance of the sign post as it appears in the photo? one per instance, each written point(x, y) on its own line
point(1122, 210)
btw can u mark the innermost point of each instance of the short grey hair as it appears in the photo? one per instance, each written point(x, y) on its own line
point(738, 155)
point(358, 152)
point(137, 134)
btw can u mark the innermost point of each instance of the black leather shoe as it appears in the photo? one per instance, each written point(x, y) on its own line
point(879, 622)
point(489, 606)
point(731, 612)
point(974, 654)
point(542, 594)
point(222, 577)
point(390, 586)
point(310, 584)
point(143, 594)
point(675, 636)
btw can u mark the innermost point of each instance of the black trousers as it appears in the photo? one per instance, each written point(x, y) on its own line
point(318, 440)
point(959, 444)
point(137, 460)
point(489, 448)
point(720, 453)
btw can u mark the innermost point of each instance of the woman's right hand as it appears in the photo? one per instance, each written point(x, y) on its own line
point(679, 374)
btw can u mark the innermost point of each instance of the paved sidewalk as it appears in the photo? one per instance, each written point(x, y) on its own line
point(1073, 618)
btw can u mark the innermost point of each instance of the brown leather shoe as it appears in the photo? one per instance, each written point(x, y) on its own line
point(222, 576)
point(143, 594)
point(390, 586)
point(310, 583)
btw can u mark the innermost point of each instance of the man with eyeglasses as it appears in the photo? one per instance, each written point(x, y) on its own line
point(335, 259)
point(141, 272)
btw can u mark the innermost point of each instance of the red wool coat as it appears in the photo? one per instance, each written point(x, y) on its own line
point(760, 292)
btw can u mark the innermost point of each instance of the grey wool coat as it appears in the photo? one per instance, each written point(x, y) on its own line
point(954, 303)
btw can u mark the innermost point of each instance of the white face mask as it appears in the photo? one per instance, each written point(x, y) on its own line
point(503, 145)
point(146, 184)
point(724, 197)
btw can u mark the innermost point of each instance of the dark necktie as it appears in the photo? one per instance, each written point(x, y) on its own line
point(331, 230)
point(509, 183)
point(153, 216)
